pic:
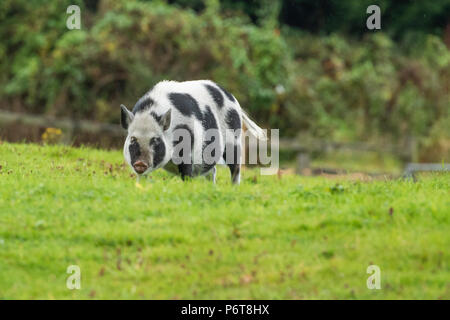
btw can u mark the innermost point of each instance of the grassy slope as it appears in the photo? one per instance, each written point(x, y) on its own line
point(290, 238)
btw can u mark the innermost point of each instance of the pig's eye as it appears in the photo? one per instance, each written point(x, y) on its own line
point(155, 140)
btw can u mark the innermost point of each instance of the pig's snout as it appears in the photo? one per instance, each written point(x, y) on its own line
point(140, 167)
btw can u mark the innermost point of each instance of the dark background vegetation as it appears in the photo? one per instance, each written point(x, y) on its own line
point(308, 67)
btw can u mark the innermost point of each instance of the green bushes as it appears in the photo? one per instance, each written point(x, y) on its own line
point(367, 88)
point(328, 86)
point(89, 72)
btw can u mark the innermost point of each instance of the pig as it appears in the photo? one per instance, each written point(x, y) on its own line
point(186, 128)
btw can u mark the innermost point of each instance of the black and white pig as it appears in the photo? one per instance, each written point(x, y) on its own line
point(186, 128)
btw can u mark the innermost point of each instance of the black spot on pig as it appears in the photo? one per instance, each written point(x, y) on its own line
point(229, 95)
point(156, 117)
point(186, 104)
point(135, 151)
point(215, 94)
point(159, 149)
point(180, 138)
point(232, 119)
point(185, 169)
point(143, 104)
point(209, 122)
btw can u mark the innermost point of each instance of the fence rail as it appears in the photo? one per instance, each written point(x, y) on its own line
point(412, 168)
point(304, 148)
point(71, 127)
point(66, 124)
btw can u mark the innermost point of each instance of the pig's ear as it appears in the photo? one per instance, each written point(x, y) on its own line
point(165, 120)
point(126, 117)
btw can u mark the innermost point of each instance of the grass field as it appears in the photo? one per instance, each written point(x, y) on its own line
point(272, 237)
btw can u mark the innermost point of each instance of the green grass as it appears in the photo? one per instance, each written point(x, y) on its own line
point(269, 238)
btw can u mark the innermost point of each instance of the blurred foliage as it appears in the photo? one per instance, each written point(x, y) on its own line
point(399, 17)
point(88, 72)
point(330, 86)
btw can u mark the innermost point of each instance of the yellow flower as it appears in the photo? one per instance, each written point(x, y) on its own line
point(52, 135)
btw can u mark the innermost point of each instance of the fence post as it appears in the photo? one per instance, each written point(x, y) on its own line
point(302, 161)
point(411, 145)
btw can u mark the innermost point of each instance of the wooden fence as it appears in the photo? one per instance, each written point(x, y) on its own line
point(72, 129)
point(406, 152)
